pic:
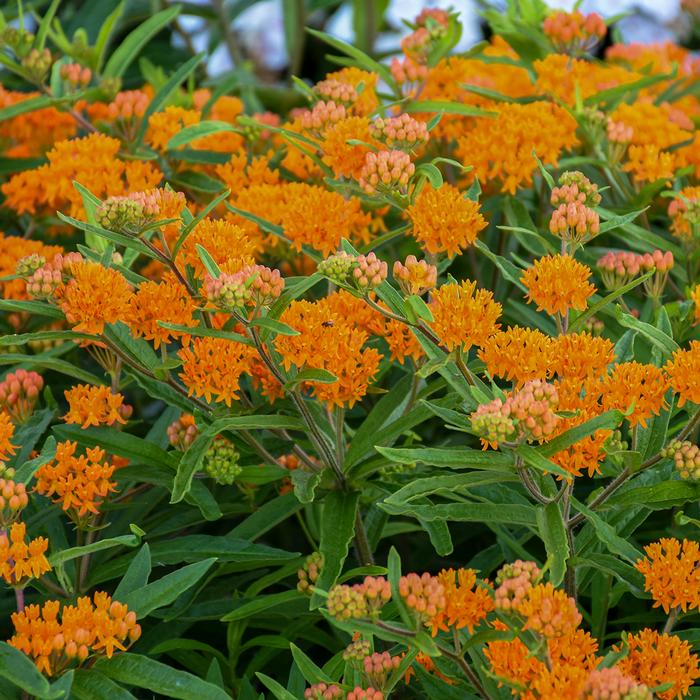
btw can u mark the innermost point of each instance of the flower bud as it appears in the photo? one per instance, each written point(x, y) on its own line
point(370, 272)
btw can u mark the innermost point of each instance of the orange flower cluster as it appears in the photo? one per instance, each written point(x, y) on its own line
point(79, 483)
point(94, 405)
point(330, 341)
point(59, 636)
point(7, 430)
point(463, 315)
point(21, 560)
point(501, 148)
point(684, 373)
point(444, 221)
point(635, 387)
point(672, 573)
point(466, 602)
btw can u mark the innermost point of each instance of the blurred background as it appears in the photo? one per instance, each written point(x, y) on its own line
point(259, 44)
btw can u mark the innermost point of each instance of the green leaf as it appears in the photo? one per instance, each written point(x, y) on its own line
point(439, 534)
point(197, 131)
point(138, 349)
point(208, 262)
point(419, 308)
point(44, 25)
point(129, 49)
point(337, 531)
point(136, 576)
point(553, 533)
point(274, 326)
point(198, 219)
point(431, 173)
point(134, 669)
point(64, 555)
point(618, 221)
point(656, 337)
point(93, 685)
point(260, 604)
point(608, 536)
point(48, 362)
point(105, 34)
point(533, 457)
point(26, 471)
point(167, 589)
point(305, 483)
point(24, 106)
point(17, 668)
point(319, 376)
point(279, 691)
point(451, 457)
point(448, 108)
point(620, 91)
point(33, 308)
point(511, 513)
point(311, 672)
point(609, 420)
point(667, 494)
point(163, 95)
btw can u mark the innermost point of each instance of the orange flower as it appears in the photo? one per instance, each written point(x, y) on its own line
point(227, 244)
point(21, 560)
point(319, 218)
point(344, 159)
point(549, 611)
point(464, 315)
point(330, 341)
point(168, 302)
point(212, 367)
point(444, 220)
point(672, 573)
point(519, 354)
point(7, 430)
point(581, 356)
point(95, 295)
point(79, 484)
point(682, 209)
point(649, 164)
point(557, 283)
point(162, 126)
point(83, 629)
point(466, 603)
point(655, 659)
point(93, 405)
point(683, 370)
point(501, 148)
point(563, 683)
point(403, 343)
point(636, 386)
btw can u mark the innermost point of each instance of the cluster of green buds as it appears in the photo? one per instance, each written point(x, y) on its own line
point(37, 63)
point(124, 215)
point(686, 458)
point(75, 75)
point(13, 500)
point(43, 280)
point(337, 267)
point(357, 650)
point(526, 415)
point(227, 292)
point(403, 132)
point(19, 40)
point(386, 171)
point(612, 684)
point(415, 277)
point(19, 392)
point(182, 432)
point(221, 462)
point(309, 573)
point(360, 600)
point(514, 582)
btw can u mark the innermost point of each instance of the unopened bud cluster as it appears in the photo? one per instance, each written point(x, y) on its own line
point(618, 268)
point(423, 594)
point(182, 432)
point(19, 392)
point(415, 277)
point(612, 684)
point(37, 63)
point(322, 115)
point(619, 133)
point(686, 458)
point(43, 281)
point(309, 573)
point(574, 186)
point(574, 222)
point(323, 691)
point(370, 693)
point(360, 600)
point(369, 272)
point(227, 291)
point(431, 26)
point(514, 582)
point(265, 284)
point(378, 666)
point(526, 415)
point(403, 132)
point(337, 267)
point(574, 32)
point(387, 171)
point(123, 215)
point(221, 462)
point(357, 650)
point(75, 74)
point(13, 499)
point(128, 104)
point(406, 71)
point(336, 91)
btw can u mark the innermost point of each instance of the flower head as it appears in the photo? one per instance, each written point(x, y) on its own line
point(672, 573)
point(424, 595)
point(466, 602)
point(636, 386)
point(609, 683)
point(94, 405)
point(549, 611)
point(19, 392)
point(415, 277)
point(78, 483)
point(7, 430)
point(444, 221)
point(21, 560)
point(683, 370)
point(557, 283)
point(386, 171)
point(463, 315)
point(656, 659)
